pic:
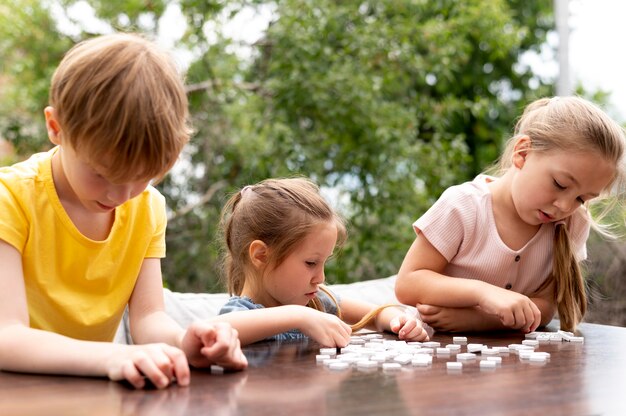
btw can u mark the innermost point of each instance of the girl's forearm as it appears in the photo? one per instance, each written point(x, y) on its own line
point(473, 319)
point(432, 288)
point(258, 324)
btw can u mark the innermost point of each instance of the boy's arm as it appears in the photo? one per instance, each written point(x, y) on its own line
point(148, 320)
point(29, 350)
point(258, 324)
point(204, 343)
point(25, 349)
point(420, 281)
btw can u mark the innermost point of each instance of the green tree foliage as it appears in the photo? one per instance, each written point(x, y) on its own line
point(384, 103)
point(30, 48)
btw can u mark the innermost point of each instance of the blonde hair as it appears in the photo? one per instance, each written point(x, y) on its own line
point(120, 99)
point(571, 124)
point(364, 321)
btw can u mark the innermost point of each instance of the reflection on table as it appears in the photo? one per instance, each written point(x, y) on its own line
point(284, 378)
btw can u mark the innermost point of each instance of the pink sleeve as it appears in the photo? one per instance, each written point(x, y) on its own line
point(447, 223)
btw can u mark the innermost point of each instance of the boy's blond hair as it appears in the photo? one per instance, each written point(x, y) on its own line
point(121, 103)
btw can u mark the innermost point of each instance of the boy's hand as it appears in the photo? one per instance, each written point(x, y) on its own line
point(408, 328)
point(207, 343)
point(159, 363)
point(325, 328)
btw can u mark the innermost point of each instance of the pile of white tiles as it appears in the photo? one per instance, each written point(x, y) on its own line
point(370, 352)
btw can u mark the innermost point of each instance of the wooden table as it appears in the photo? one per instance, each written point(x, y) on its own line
point(579, 379)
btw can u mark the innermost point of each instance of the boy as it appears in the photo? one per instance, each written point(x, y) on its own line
point(82, 231)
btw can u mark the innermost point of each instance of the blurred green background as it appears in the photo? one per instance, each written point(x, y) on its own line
point(383, 103)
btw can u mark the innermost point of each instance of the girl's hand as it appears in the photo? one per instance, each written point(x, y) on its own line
point(444, 319)
point(159, 363)
point(325, 328)
point(513, 309)
point(206, 343)
point(408, 328)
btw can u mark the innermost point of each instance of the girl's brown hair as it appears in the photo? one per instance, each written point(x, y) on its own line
point(571, 124)
point(121, 102)
point(279, 212)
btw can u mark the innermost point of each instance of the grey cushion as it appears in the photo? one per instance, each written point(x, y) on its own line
point(185, 308)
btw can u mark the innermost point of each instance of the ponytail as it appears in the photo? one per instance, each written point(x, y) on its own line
point(371, 315)
point(235, 276)
point(570, 290)
point(366, 320)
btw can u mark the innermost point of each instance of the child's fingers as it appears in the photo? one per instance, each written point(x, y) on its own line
point(223, 347)
point(339, 332)
point(179, 366)
point(130, 373)
point(536, 319)
point(529, 319)
point(428, 309)
point(507, 317)
point(429, 319)
point(232, 358)
point(159, 363)
point(428, 330)
point(342, 337)
point(126, 370)
point(418, 334)
point(395, 324)
point(154, 366)
point(218, 342)
point(238, 357)
point(407, 325)
point(429, 315)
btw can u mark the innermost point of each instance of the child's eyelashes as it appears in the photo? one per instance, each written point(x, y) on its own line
point(558, 185)
point(562, 188)
point(311, 263)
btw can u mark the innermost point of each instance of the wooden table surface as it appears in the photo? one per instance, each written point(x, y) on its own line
point(579, 379)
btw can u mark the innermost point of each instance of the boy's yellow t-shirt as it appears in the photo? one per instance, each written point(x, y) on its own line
point(75, 286)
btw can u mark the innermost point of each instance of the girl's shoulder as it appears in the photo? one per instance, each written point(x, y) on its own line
point(239, 303)
point(469, 194)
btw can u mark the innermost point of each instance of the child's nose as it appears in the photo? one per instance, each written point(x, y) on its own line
point(319, 278)
point(565, 204)
point(119, 194)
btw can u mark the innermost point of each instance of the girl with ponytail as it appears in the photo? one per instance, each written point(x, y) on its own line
point(278, 235)
point(505, 250)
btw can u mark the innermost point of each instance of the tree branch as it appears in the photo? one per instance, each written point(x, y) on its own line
point(208, 195)
point(210, 84)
